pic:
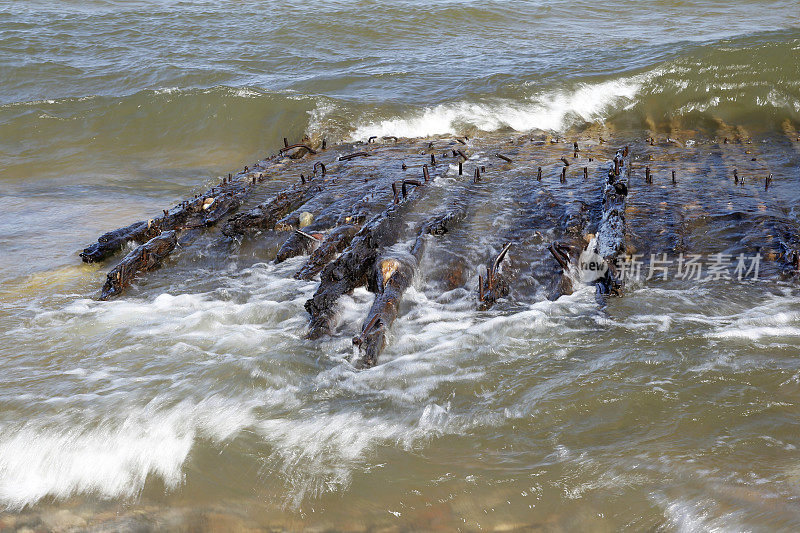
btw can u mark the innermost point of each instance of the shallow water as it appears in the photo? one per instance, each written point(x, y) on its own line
point(673, 408)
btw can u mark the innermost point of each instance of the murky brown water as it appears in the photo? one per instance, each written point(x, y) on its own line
point(194, 400)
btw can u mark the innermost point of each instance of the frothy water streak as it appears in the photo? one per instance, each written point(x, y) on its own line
point(211, 368)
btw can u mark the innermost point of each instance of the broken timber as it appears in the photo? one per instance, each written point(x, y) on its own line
point(350, 269)
point(266, 215)
point(146, 257)
point(391, 277)
point(610, 236)
point(494, 286)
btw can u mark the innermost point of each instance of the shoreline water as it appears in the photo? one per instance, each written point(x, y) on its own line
point(194, 402)
point(252, 295)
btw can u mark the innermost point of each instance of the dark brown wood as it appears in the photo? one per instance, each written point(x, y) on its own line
point(266, 215)
point(350, 269)
point(333, 243)
point(299, 243)
point(201, 211)
point(110, 243)
point(493, 286)
point(393, 276)
point(611, 229)
point(146, 257)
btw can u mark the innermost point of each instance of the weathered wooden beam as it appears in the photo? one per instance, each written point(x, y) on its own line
point(110, 243)
point(610, 236)
point(201, 211)
point(332, 245)
point(494, 286)
point(208, 210)
point(299, 243)
point(146, 257)
point(350, 269)
point(393, 276)
point(267, 214)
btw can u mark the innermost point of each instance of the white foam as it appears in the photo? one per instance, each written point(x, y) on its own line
point(767, 320)
point(318, 453)
point(702, 515)
point(113, 457)
point(552, 110)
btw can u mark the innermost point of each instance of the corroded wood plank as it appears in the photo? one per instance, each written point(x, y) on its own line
point(333, 243)
point(392, 276)
point(350, 269)
point(146, 257)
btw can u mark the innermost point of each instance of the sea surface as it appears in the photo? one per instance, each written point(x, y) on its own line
point(676, 410)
